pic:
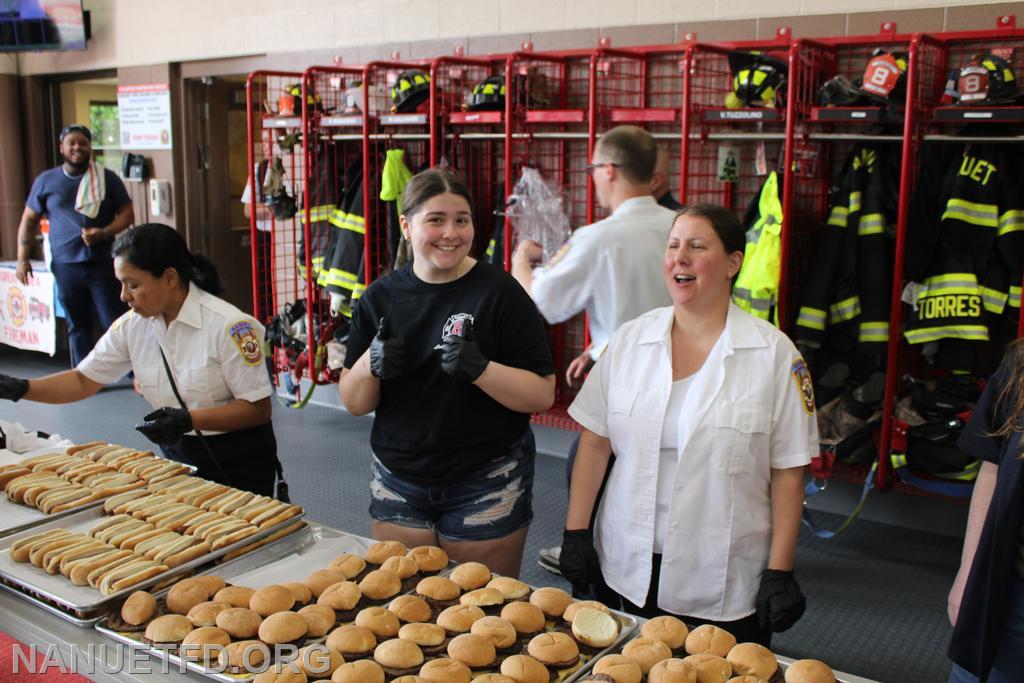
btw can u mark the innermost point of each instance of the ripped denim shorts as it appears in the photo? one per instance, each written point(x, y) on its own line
point(490, 502)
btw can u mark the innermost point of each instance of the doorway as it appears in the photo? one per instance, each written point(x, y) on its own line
point(216, 177)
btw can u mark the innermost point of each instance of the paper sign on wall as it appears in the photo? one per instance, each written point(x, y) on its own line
point(145, 115)
point(26, 311)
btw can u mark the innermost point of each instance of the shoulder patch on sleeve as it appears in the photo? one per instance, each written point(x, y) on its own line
point(802, 377)
point(125, 317)
point(243, 334)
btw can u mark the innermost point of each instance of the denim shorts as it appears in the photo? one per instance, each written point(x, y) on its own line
point(490, 502)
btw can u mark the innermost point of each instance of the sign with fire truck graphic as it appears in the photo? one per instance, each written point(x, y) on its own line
point(26, 311)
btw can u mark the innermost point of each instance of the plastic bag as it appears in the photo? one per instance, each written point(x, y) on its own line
point(536, 209)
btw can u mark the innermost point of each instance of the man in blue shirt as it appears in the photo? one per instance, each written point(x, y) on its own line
point(80, 245)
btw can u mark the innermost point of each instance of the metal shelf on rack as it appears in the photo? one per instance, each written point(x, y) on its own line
point(282, 122)
point(475, 117)
point(556, 116)
point(647, 115)
point(976, 114)
point(740, 115)
point(403, 120)
point(342, 121)
point(847, 114)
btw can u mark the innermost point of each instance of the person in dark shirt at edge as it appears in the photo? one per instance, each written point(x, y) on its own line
point(87, 206)
point(661, 185)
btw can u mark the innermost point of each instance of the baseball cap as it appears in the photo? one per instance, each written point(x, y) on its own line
point(75, 128)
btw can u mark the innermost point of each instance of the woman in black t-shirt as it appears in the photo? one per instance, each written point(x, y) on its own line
point(451, 355)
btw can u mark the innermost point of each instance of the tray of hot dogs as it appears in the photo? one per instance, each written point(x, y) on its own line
point(56, 481)
point(83, 564)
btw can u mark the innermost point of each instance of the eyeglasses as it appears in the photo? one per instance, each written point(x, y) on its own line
point(602, 164)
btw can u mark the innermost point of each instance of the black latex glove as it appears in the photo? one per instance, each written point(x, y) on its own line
point(780, 603)
point(12, 388)
point(461, 357)
point(387, 354)
point(578, 559)
point(166, 426)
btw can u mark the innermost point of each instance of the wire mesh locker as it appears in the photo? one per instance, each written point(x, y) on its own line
point(546, 128)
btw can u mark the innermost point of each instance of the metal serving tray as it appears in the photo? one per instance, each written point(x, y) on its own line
point(85, 602)
point(15, 518)
point(295, 555)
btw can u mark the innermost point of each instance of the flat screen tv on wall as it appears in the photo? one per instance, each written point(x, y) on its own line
point(32, 25)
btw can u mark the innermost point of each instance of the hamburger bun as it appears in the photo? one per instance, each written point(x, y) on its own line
point(282, 627)
point(380, 584)
point(445, 670)
point(752, 659)
point(668, 629)
point(360, 671)
point(429, 559)
point(318, 661)
point(382, 550)
point(484, 598)
point(512, 589)
point(319, 619)
point(570, 611)
point(379, 621)
point(672, 671)
point(495, 629)
point(236, 596)
point(746, 679)
point(319, 580)
point(493, 678)
point(551, 601)
point(244, 656)
point(619, 668)
point(352, 641)
point(554, 650)
point(527, 619)
point(437, 590)
point(204, 644)
point(404, 566)
point(710, 668)
point(711, 640)
point(471, 575)
point(301, 591)
point(348, 564)
point(595, 629)
point(138, 608)
point(809, 671)
point(525, 669)
point(424, 635)
point(398, 657)
point(205, 613)
point(646, 652)
point(476, 652)
point(282, 672)
point(409, 679)
point(410, 609)
point(239, 622)
point(184, 596)
point(270, 599)
point(209, 582)
point(170, 629)
point(459, 618)
point(340, 597)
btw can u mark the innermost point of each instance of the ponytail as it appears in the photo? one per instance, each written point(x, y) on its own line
point(155, 247)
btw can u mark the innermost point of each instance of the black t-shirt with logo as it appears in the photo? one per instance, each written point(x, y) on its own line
point(428, 426)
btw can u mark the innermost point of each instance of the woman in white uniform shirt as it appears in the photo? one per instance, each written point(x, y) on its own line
point(710, 414)
point(212, 349)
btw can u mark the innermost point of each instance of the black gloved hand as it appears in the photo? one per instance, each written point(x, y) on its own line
point(780, 603)
point(387, 354)
point(12, 388)
point(461, 357)
point(578, 559)
point(166, 426)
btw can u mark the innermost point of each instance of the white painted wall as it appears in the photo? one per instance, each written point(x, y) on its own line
point(138, 32)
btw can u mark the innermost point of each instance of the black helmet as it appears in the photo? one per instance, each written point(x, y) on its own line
point(758, 80)
point(411, 89)
point(487, 95)
point(838, 91)
point(885, 76)
point(986, 79)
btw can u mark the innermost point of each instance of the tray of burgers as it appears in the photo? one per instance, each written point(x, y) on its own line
point(83, 564)
point(54, 482)
point(667, 651)
point(348, 587)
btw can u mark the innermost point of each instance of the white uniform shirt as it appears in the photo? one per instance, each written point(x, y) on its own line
point(214, 350)
point(749, 409)
point(262, 224)
point(611, 269)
